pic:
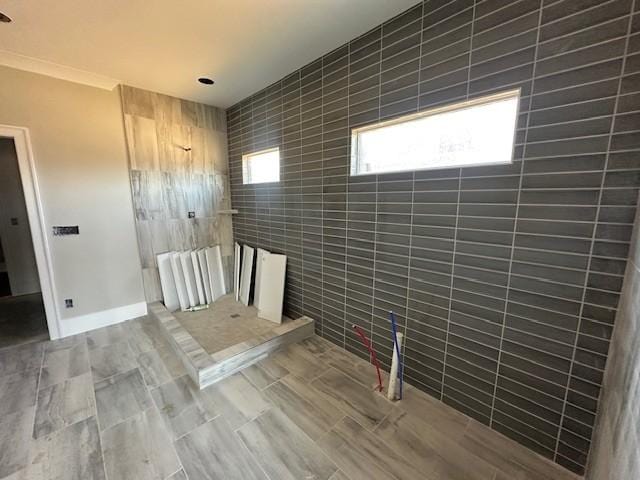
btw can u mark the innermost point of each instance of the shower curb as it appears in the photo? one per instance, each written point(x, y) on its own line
point(205, 369)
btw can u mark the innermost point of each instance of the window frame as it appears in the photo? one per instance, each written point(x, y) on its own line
point(245, 158)
point(457, 106)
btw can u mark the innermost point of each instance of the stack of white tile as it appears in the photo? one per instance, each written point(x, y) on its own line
point(268, 281)
point(196, 277)
point(191, 278)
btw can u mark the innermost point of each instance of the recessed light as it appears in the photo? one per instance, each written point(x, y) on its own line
point(4, 18)
point(206, 81)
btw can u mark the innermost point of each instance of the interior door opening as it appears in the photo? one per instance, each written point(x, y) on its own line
point(22, 313)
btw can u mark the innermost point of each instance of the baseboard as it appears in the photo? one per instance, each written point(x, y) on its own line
point(104, 318)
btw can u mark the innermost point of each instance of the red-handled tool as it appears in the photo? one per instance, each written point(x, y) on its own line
point(372, 353)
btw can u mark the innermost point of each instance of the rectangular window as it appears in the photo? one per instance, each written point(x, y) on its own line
point(475, 132)
point(261, 167)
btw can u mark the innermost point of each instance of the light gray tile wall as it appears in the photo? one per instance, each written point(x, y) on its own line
point(615, 453)
point(178, 164)
point(505, 279)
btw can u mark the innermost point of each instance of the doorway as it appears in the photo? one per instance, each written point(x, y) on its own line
point(22, 315)
point(27, 312)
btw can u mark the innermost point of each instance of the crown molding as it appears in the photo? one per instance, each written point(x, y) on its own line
point(63, 72)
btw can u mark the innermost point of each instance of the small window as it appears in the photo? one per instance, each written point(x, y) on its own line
point(261, 167)
point(476, 132)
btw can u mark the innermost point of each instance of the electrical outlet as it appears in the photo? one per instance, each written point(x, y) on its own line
point(192, 214)
point(14, 221)
point(68, 302)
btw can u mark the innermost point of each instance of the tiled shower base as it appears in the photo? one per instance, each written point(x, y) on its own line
point(225, 338)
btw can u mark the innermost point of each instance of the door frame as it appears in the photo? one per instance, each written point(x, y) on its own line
point(35, 214)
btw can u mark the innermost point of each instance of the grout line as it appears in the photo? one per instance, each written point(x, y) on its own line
point(455, 230)
point(37, 392)
point(403, 349)
point(251, 455)
point(346, 230)
point(170, 435)
point(452, 274)
point(39, 381)
point(375, 213)
point(515, 223)
point(322, 185)
point(95, 407)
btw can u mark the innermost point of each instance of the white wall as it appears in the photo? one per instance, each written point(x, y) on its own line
point(16, 239)
point(81, 164)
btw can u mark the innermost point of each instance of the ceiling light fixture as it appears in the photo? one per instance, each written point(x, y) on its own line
point(4, 18)
point(206, 81)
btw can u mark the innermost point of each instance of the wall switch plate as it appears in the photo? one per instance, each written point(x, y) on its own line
point(14, 221)
point(192, 214)
point(68, 302)
point(66, 230)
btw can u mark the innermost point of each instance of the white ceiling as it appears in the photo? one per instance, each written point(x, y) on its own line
point(164, 45)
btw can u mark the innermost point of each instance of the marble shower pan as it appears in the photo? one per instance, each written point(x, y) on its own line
point(225, 338)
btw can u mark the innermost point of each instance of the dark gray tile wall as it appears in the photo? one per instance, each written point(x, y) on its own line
point(616, 443)
point(505, 279)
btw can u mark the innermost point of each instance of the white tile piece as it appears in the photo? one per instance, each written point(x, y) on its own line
point(167, 282)
point(260, 253)
point(198, 275)
point(246, 272)
point(272, 275)
point(178, 276)
point(236, 271)
point(189, 277)
point(204, 271)
point(216, 272)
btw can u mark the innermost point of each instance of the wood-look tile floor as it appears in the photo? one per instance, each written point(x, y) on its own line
point(117, 404)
